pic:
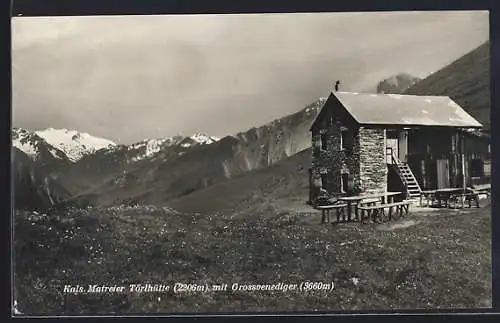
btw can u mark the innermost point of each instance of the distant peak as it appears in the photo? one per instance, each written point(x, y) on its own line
point(73, 143)
point(160, 140)
point(200, 137)
point(397, 84)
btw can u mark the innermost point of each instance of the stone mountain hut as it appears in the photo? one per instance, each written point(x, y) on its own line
point(364, 143)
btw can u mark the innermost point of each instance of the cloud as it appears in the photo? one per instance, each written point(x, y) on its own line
point(130, 77)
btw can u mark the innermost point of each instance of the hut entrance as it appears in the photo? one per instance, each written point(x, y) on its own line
point(397, 143)
point(443, 173)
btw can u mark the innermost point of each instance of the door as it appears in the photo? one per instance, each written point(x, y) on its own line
point(443, 173)
point(393, 145)
point(403, 146)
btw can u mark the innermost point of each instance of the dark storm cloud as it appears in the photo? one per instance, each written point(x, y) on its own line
point(135, 77)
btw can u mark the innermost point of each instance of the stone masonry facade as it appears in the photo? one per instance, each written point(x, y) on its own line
point(329, 164)
point(372, 160)
point(365, 162)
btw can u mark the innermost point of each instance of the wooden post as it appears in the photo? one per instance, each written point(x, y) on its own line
point(311, 185)
point(462, 148)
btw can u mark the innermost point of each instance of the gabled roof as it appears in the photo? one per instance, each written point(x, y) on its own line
point(414, 110)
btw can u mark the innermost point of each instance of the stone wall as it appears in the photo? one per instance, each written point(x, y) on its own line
point(373, 165)
point(329, 164)
point(325, 162)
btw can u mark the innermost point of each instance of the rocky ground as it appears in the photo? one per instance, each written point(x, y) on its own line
point(429, 259)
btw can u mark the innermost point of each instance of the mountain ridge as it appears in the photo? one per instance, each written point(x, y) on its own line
point(75, 149)
point(466, 81)
point(169, 176)
point(70, 143)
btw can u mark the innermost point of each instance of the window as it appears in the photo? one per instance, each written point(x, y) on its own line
point(346, 139)
point(324, 141)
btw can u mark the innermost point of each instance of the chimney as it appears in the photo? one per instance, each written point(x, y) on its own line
point(337, 84)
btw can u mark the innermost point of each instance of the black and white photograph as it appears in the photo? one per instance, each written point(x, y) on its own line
point(251, 163)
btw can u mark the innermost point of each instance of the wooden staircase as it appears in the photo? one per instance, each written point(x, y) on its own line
point(410, 182)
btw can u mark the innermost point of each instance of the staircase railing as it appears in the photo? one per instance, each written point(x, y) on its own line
point(414, 178)
point(395, 161)
point(398, 166)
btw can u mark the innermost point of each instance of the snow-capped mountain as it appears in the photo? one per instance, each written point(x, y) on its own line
point(38, 150)
point(62, 144)
point(73, 143)
point(202, 138)
point(78, 161)
point(150, 147)
point(198, 139)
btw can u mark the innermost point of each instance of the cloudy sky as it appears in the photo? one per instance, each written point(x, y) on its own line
point(127, 78)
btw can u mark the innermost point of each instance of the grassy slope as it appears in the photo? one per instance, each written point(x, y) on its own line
point(442, 261)
point(466, 80)
point(285, 181)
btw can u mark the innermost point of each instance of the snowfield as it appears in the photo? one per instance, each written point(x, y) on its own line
point(73, 143)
